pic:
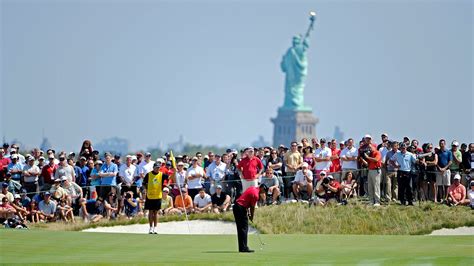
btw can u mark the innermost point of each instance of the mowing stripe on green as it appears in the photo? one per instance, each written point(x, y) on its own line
point(36, 246)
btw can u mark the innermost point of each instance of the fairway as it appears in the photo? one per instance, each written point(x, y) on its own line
point(36, 246)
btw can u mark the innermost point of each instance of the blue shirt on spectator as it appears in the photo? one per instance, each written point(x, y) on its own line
point(47, 208)
point(109, 180)
point(81, 175)
point(405, 160)
point(95, 182)
point(17, 166)
point(444, 157)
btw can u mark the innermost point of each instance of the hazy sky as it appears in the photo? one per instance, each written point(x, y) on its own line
point(151, 70)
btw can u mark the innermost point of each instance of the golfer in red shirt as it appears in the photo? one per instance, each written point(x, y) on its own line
point(244, 209)
point(250, 169)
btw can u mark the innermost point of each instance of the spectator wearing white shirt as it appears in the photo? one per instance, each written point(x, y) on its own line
point(202, 202)
point(64, 169)
point(30, 176)
point(322, 156)
point(194, 176)
point(126, 172)
point(349, 158)
point(216, 172)
point(143, 168)
point(303, 181)
point(178, 179)
point(470, 195)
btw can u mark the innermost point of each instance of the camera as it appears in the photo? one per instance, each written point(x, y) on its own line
point(325, 181)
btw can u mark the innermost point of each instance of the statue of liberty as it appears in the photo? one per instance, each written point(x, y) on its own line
point(295, 65)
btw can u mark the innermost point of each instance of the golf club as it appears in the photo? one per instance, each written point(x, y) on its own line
point(258, 235)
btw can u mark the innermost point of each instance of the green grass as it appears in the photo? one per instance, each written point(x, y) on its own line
point(39, 246)
point(357, 218)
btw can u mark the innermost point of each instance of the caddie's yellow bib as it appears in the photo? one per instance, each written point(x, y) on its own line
point(154, 187)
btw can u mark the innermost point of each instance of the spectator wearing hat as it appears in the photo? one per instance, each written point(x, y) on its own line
point(21, 211)
point(194, 177)
point(216, 172)
point(13, 185)
point(25, 200)
point(443, 176)
point(48, 172)
point(178, 179)
point(31, 173)
point(220, 200)
point(47, 208)
point(183, 202)
point(273, 185)
point(335, 167)
point(250, 169)
point(457, 193)
point(327, 189)
point(384, 143)
point(16, 168)
point(153, 189)
point(455, 167)
point(131, 205)
point(40, 163)
point(108, 176)
point(322, 156)
point(404, 161)
point(144, 167)
point(64, 169)
point(4, 162)
point(292, 161)
point(303, 181)
point(167, 206)
point(15, 149)
point(5, 193)
point(202, 202)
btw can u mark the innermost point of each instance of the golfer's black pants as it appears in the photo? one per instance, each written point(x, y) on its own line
point(242, 222)
point(404, 189)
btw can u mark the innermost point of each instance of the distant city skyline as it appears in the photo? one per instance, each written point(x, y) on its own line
point(151, 71)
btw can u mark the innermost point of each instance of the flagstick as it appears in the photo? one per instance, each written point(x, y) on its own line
point(173, 162)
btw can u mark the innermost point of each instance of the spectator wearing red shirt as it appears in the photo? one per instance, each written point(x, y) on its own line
point(47, 173)
point(374, 161)
point(244, 209)
point(335, 167)
point(3, 164)
point(250, 169)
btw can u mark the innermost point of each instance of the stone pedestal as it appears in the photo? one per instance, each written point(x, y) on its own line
point(291, 125)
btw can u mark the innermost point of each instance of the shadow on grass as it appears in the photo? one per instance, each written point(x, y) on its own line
point(220, 252)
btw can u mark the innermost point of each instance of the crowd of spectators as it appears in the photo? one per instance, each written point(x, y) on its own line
point(49, 186)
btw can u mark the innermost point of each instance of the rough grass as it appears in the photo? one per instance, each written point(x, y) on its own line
point(356, 218)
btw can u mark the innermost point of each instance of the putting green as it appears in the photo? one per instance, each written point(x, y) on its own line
point(37, 246)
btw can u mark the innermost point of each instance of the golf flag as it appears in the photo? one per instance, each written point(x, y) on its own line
point(173, 160)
